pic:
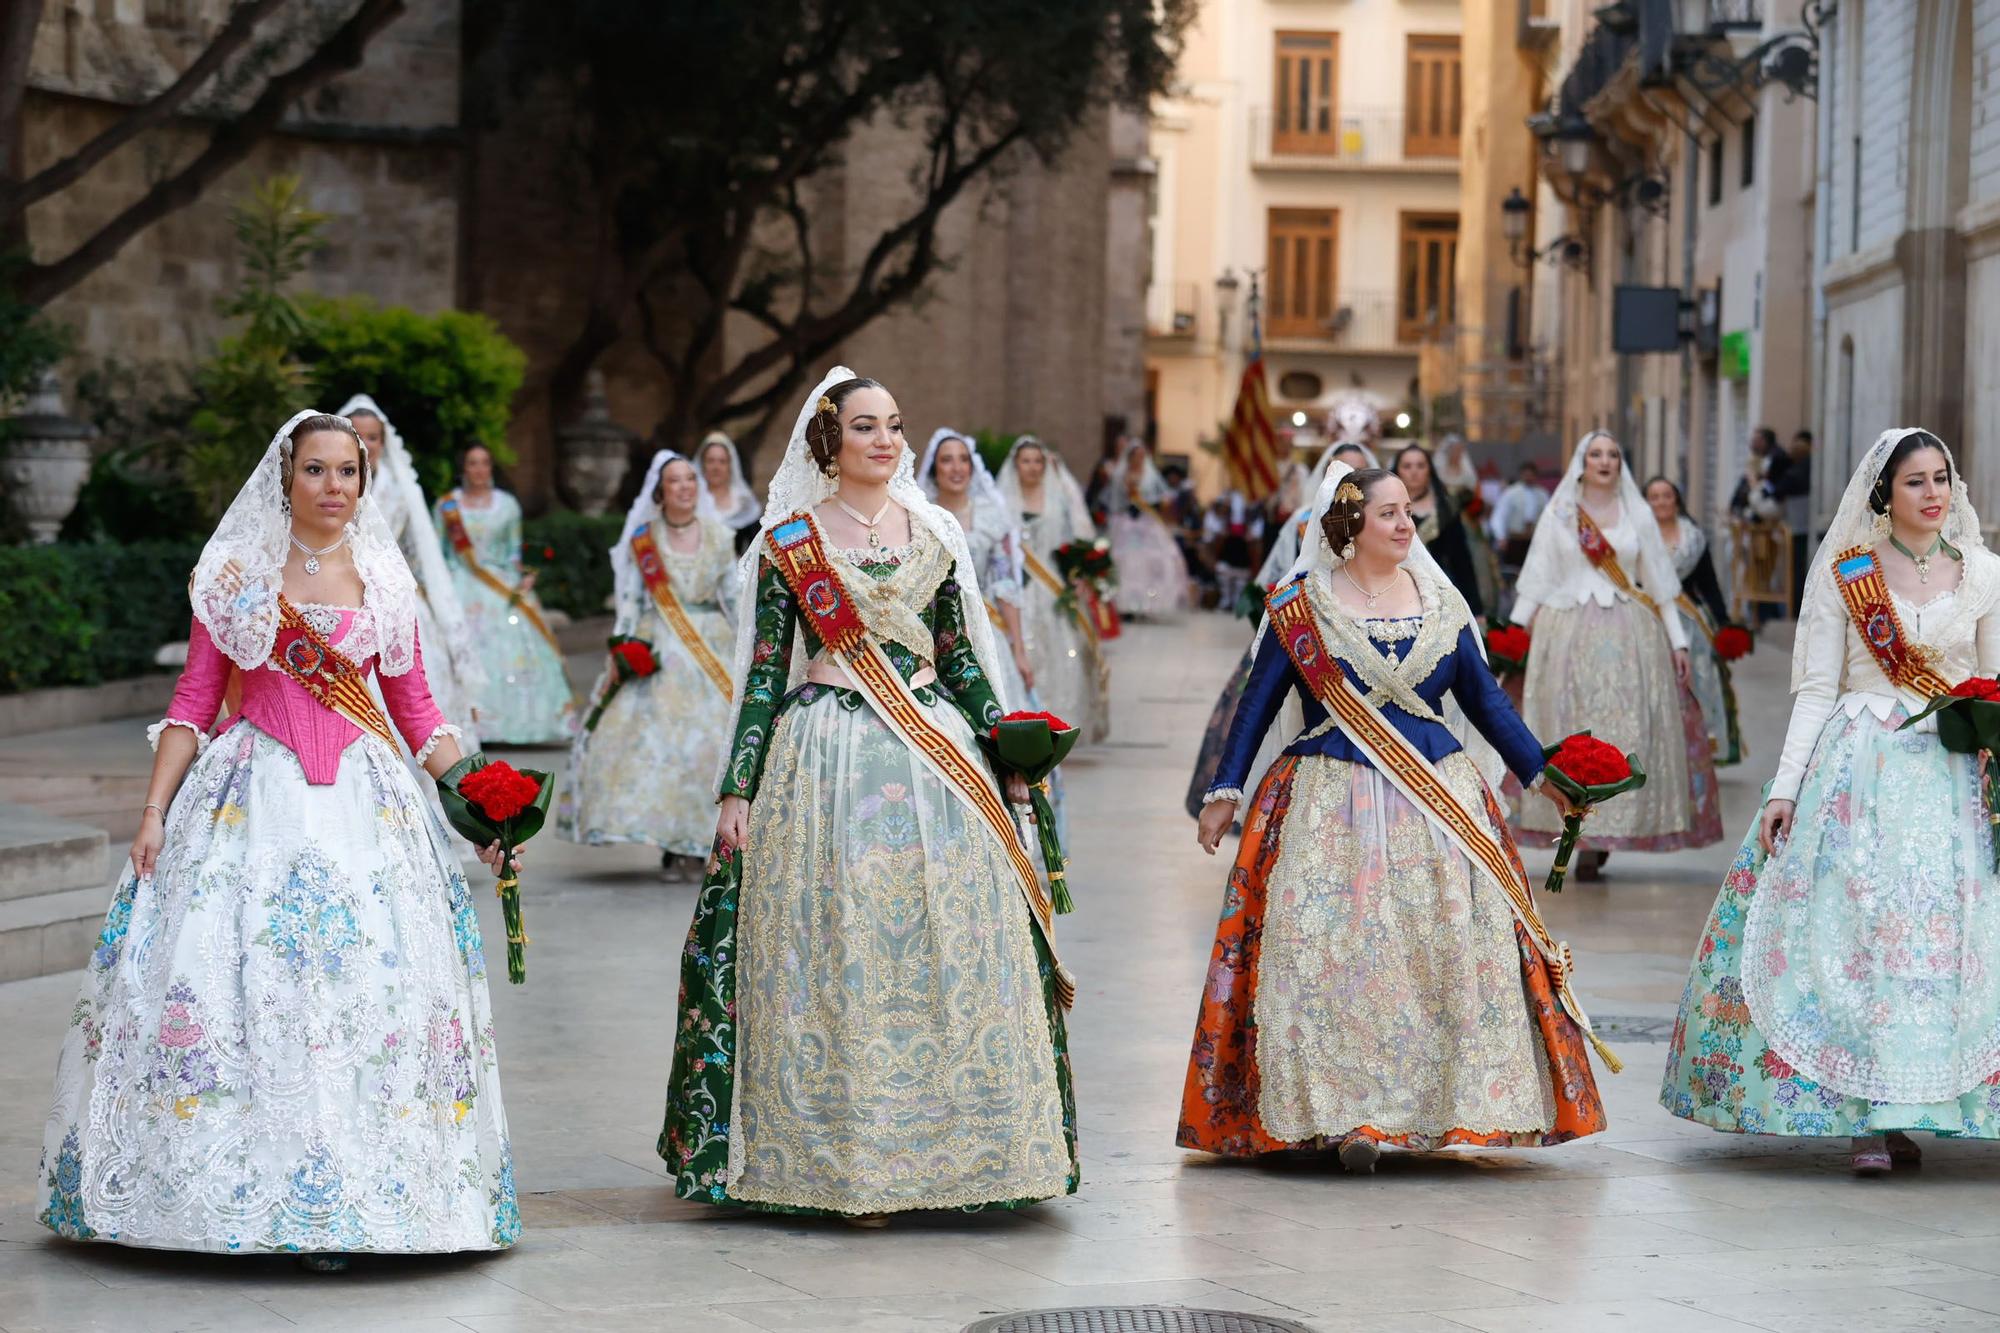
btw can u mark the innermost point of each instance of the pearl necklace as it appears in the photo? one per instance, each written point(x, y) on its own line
point(1372, 597)
point(874, 537)
point(312, 556)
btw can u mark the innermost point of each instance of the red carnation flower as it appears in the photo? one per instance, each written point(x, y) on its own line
point(499, 790)
point(1590, 762)
point(1509, 641)
point(1055, 723)
point(637, 657)
point(548, 553)
point(1732, 642)
point(1984, 688)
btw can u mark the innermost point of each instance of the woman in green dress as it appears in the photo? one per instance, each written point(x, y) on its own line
point(871, 1008)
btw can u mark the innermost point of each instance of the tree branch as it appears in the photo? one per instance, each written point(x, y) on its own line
point(229, 145)
point(243, 21)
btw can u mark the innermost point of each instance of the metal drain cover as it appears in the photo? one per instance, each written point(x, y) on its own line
point(1134, 1319)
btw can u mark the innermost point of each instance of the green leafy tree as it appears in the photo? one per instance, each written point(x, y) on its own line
point(698, 129)
point(447, 380)
point(249, 386)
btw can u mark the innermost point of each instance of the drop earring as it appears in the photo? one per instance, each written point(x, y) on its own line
point(1880, 528)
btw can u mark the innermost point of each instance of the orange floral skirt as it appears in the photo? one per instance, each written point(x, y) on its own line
point(1220, 1097)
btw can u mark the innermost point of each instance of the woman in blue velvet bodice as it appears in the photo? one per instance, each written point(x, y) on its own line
point(1369, 984)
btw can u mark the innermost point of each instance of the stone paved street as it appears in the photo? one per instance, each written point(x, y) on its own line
point(1655, 1226)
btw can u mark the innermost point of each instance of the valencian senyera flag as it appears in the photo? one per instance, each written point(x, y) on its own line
point(1251, 449)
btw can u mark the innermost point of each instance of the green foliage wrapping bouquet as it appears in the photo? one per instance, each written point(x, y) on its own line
point(491, 801)
point(1033, 744)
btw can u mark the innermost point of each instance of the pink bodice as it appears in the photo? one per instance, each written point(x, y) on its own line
point(280, 707)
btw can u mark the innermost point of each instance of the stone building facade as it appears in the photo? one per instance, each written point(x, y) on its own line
point(1028, 325)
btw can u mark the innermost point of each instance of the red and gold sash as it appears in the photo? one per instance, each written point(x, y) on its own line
point(1597, 549)
point(653, 569)
point(328, 675)
point(1409, 772)
point(1858, 574)
point(461, 543)
point(799, 553)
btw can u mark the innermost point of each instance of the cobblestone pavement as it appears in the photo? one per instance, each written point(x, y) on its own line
point(1656, 1225)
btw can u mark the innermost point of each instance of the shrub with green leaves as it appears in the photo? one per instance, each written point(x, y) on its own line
point(570, 554)
point(99, 611)
point(447, 380)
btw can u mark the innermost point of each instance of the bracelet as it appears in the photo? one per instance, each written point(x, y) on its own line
point(152, 806)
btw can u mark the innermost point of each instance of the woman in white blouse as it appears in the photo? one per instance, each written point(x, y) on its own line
point(1604, 659)
point(1845, 984)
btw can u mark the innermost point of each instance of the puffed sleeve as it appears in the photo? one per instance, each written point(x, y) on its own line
point(1489, 709)
point(1824, 625)
point(412, 709)
point(1271, 675)
point(957, 664)
point(1541, 572)
point(198, 694)
point(764, 684)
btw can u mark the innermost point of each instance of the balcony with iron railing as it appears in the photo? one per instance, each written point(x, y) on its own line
point(1327, 139)
point(1358, 323)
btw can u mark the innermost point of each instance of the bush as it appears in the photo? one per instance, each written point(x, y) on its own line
point(99, 612)
point(447, 380)
point(569, 553)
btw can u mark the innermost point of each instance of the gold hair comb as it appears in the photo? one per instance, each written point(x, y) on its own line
point(1348, 493)
point(825, 404)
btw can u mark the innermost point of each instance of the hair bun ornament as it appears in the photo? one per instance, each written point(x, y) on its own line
point(826, 404)
point(1348, 493)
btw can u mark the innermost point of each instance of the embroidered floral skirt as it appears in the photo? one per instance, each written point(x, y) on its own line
point(868, 1020)
point(1846, 985)
point(525, 698)
point(1365, 980)
point(1067, 674)
point(1152, 573)
point(1609, 670)
point(647, 772)
point(283, 1040)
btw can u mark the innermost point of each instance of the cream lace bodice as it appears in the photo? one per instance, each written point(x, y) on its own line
point(1961, 626)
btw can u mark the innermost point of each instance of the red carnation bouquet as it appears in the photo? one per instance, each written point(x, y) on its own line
point(1507, 649)
point(1586, 770)
point(490, 801)
point(631, 659)
point(1968, 722)
point(1733, 642)
point(1032, 744)
point(1086, 566)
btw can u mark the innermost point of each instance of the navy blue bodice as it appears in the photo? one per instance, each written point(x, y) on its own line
point(1461, 673)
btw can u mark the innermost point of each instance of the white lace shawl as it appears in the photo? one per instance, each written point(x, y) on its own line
point(1001, 577)
point(800, 486)
point(743, 508)
point(236, 583)
point(1064, 517)
point(625, 579)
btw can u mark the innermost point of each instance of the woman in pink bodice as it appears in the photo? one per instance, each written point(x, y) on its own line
point(284, 1040)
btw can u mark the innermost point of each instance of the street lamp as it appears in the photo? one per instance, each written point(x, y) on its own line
point(1514, 212)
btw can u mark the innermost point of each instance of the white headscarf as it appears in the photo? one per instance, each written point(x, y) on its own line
point(1538, 580)
point(407, 515)
point(644, 509)
point(983, 490)
point(1286, 547)
point(799, 486)
point(1854, 524)
point(741, 509)
point(1062, 498)
point(236, 583)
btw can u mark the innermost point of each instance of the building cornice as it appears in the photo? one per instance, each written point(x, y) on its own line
point(1979, 224)
point(1864, 272)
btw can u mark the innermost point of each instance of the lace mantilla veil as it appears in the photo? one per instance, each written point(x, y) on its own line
point(1854, 525)
point(743, 507)
point(235, 586)
point(643, 510)
point(1062, 498)
point(1538, 579)
point(400, 491)
point(799, 485)
point(984, 491)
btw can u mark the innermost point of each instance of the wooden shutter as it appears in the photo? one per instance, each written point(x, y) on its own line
point(1433, 97)
point(1301, 263)
point(1427, 256)
point(1305, 85)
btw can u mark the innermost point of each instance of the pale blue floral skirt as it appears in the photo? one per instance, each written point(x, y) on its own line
point(1847, 985)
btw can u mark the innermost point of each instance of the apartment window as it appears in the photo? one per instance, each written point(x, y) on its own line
point(1305, 87)
point(1301, 262)
point(1426, 257)
point(1747, 172)
point(1715, 172)
point(1433, 96)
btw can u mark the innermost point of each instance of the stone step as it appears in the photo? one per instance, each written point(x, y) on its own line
point(52, 932)
point(43, 854)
